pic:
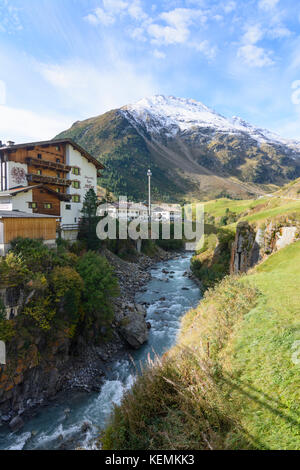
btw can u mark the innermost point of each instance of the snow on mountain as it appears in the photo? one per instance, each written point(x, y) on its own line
point(175, 115)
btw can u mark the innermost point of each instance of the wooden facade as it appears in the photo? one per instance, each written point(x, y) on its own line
point(28, 227)
point(47, 165)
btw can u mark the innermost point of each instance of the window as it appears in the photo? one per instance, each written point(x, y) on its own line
point(39, 172)
point(76, 170)
point(76, 184)
point(57, 147)
point(58, 174)
point(32, 205)
point(57, 190)
point(48, 205)
point(75, 198)
point(40, 156)
point(68, 207)
point(57, 160)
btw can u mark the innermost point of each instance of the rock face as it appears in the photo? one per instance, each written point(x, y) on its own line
point(252, 244)
point(245, 250)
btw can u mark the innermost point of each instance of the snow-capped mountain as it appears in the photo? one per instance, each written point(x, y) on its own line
point(174, 115)
point(193, 151)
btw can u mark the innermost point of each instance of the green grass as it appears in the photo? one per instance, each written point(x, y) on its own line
point(287, 208)
point(218, 207)
point(260, 354)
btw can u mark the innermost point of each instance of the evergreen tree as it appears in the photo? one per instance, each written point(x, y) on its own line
point(89, 220)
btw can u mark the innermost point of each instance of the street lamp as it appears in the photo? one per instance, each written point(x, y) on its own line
point(149, 174)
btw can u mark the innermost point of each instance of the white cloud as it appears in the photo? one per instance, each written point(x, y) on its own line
point(136, 11)
point(100, 17)
point(206, 48)
point(279, 32)
point(254, 56)
point(296, 93)
point(21, 125)
point(229, 7)
point(250, 52)
point(9, 18)
point(267, 4)
point(2, 92)
point(114, 6)
point(253, 34)
point(111, 9)
point(159, 54)
point(177, 29)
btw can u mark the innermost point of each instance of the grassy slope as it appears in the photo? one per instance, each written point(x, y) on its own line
point(261, 354)
point(254, 209)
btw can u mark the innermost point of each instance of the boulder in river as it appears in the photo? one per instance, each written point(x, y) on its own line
point(133, 328)
point(16, 423)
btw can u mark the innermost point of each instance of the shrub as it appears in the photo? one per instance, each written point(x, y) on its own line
point(13, 269)
point(36, 255)
point(42, 311)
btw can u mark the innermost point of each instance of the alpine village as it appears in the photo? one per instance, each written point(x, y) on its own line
point(141, 344)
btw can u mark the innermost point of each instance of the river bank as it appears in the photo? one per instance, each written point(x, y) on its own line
point(74, 419)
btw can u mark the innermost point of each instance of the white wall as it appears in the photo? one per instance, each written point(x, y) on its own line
point(87, 179)
point(19, 202)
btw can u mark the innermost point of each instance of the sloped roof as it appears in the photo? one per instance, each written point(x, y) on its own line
point(20, 189)
point(80, 149)
point(24, 215)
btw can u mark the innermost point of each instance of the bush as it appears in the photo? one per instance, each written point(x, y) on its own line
point(13, 270)
point(36, 255)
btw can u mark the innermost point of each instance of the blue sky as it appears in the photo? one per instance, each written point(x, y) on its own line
point(67, 60)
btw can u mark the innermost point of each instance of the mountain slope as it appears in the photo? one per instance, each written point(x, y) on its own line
point(193, 151)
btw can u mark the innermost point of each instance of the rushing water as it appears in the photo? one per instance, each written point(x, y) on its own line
point(59, 425)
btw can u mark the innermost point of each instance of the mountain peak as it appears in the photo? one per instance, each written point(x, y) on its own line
point(174, 115)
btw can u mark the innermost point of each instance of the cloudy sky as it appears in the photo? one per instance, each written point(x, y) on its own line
point(67, 60)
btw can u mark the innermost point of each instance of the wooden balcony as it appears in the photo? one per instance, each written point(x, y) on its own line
point(48, 164)
point(48, 180)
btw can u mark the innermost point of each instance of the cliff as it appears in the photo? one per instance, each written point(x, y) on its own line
point(254, 243)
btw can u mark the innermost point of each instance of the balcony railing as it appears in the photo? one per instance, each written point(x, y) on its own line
point(48, 164)
point(48, 179)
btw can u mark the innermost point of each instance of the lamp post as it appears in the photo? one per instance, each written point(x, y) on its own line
point(149, 174)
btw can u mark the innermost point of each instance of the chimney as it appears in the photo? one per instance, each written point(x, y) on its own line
point(10, 142)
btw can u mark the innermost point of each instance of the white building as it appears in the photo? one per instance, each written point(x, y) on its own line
point(49, 177)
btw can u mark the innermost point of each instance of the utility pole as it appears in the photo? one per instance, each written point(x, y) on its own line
point(149, 174)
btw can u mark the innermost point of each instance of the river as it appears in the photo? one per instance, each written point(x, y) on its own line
point(56, 426)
